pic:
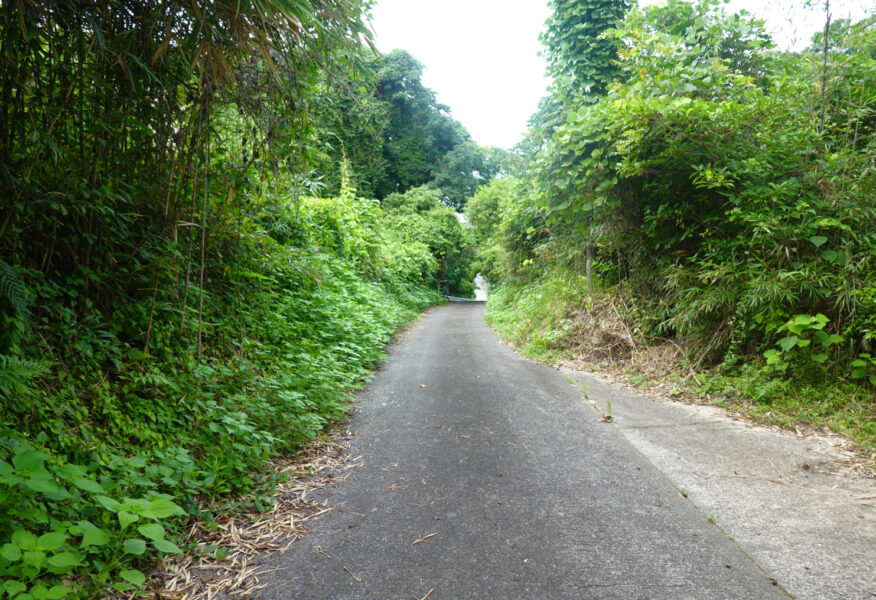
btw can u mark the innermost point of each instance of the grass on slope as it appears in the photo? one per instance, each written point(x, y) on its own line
point(552, 319)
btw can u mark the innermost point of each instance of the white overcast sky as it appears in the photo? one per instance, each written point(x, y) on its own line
point(481, 56)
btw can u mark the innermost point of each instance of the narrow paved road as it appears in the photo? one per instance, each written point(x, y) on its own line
point(523, 492)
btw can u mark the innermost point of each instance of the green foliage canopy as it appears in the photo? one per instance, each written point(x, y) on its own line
point(712, 194)
point(395, 135)
point(420, 216)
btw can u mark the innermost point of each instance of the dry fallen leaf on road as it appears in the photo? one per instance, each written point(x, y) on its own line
point(422, 385)
point(607, 419)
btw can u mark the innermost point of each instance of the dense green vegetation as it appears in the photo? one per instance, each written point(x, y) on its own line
point(213, 221)
point(395, 134)
point(190, 282)
point(711, 192)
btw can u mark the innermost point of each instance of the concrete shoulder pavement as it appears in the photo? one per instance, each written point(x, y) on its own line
point(791, 503)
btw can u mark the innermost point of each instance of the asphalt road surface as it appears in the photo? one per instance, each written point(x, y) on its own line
point(487, 476)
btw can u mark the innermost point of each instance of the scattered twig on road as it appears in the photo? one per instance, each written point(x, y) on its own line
point(429, 593)
point(425, 537)
point(353, 575)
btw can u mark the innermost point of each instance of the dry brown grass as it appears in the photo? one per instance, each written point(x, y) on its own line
point(598, 340)
point(199, 574)
point(600, 343)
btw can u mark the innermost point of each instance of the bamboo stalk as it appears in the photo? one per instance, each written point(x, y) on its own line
point(824, 65)
point(204, 234)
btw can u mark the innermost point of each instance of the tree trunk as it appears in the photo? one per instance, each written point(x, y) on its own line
point(588, 261)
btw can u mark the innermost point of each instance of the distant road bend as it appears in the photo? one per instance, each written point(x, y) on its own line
point(511, 488)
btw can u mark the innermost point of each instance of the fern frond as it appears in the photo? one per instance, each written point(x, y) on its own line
point(16, 375)
point(12, 288)
point(136, 355)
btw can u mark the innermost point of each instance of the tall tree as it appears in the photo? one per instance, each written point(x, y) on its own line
point(582, 60)
point(351, 126)
point(464, 169)
point(420, 129)
point(127, 129)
